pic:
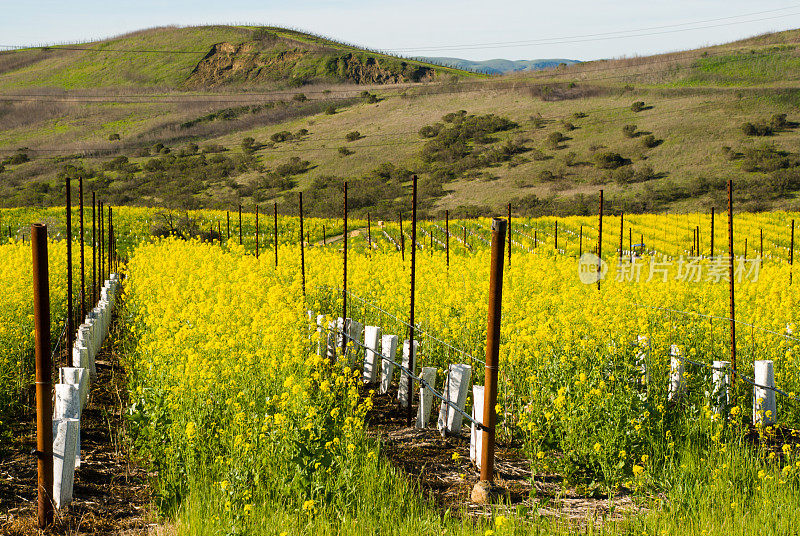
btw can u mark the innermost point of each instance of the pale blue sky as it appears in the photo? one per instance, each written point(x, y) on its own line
point(472, 29)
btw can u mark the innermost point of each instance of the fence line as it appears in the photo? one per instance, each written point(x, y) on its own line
point(416, 328)
point(419, 379)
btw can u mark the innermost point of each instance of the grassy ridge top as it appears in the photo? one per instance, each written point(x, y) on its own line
point(167, 57)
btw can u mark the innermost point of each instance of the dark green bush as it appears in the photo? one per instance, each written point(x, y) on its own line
point(330, 110)
point(294, 166)
point(629, 131)
point(650, 141)
point(778, 122)
point(430, 131)
point(554, 139)
point(113, 137)
point(571, 158)
point(353, 136)
point(757, 129)
point(344, 151)
point(567, 126)
point(637, 106)
point(299, 97)
point(283, 135)
point(609, 160)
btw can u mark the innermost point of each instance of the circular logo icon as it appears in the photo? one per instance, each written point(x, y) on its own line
point(591, 268)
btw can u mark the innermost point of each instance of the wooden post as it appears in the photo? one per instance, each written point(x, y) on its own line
point(228, 219)
point(275, 226)
point(402, 239)
point(240, 225)
point(44, 366)
point(580, 243)
point(492, 350)
point(369, 229)
point(621, 232)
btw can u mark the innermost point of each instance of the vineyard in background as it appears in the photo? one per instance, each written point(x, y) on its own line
point(251, 431)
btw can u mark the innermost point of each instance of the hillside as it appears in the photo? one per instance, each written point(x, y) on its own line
point(208, 57)
point(659, 133)
point(499, 66)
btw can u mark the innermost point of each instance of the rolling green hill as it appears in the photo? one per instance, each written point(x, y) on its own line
point(656, 133)
point(208, 56)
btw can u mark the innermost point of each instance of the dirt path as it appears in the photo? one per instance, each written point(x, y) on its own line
point(111, 495)
point(428, 459)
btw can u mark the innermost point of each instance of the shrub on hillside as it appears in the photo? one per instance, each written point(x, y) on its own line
point(299, 97)
point(609, 160)
point(249, 145)
point(571, 158)
point(579, 115)
point(344, 151)
point(757, 129)
point(330, 110)
point(283, 135)
point(554, 139)
point(637, 106)
point(629, 131)
point(430, 131)
point(353, 136)
point(294, 166)
point(650, 141)
point(113, 137)
point(778, 122)
point(567, 126)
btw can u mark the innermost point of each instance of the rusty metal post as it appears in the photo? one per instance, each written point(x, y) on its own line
point(630, 242)
point(256, 231)
point(111, 245)
point(101, 244)
point(344, 273)
point(228, 219)
point(492, 349)
point(402, 239)
point(411, 354)
point(44, 366)
point(275, 227)
point(302, 247)
point(431, 233)
point(94, 250)
point(369, 231)
point(447, 236)
point(219, 231)
point(240, 225)
point(509, 235)
point(761, 250)
point(621, 232)
point(745, 248)
point(712, 233)
point(323, 235)
point(556, 236)
point(600, 240)
point(791, 246)
point(70, 314)
point(535, 238)
point(580, 243)
point(465, 237)
point(83, 273)
point(730, 274)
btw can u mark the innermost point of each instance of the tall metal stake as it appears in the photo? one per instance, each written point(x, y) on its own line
point(492, 349)
point(94, 250)
point(275, 227)
point(730, 274)
point(712, 233)
point(44, 370)
point(344, 273)
point(256, 231)
point(111, 245)
point(302, 247)
point(240, 225)
point(447, 235)
point(621, 232)
point(580, 243)
point(600, 241)
point(402, 239)
point(83, 273)
point(509, 235)
point(369, 231)
point(411, 353)
point(70, 314)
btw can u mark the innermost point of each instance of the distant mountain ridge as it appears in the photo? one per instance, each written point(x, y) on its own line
point(498, 66)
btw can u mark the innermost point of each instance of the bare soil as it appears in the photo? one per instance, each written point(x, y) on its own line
point(111, 492)
point(428, 460)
